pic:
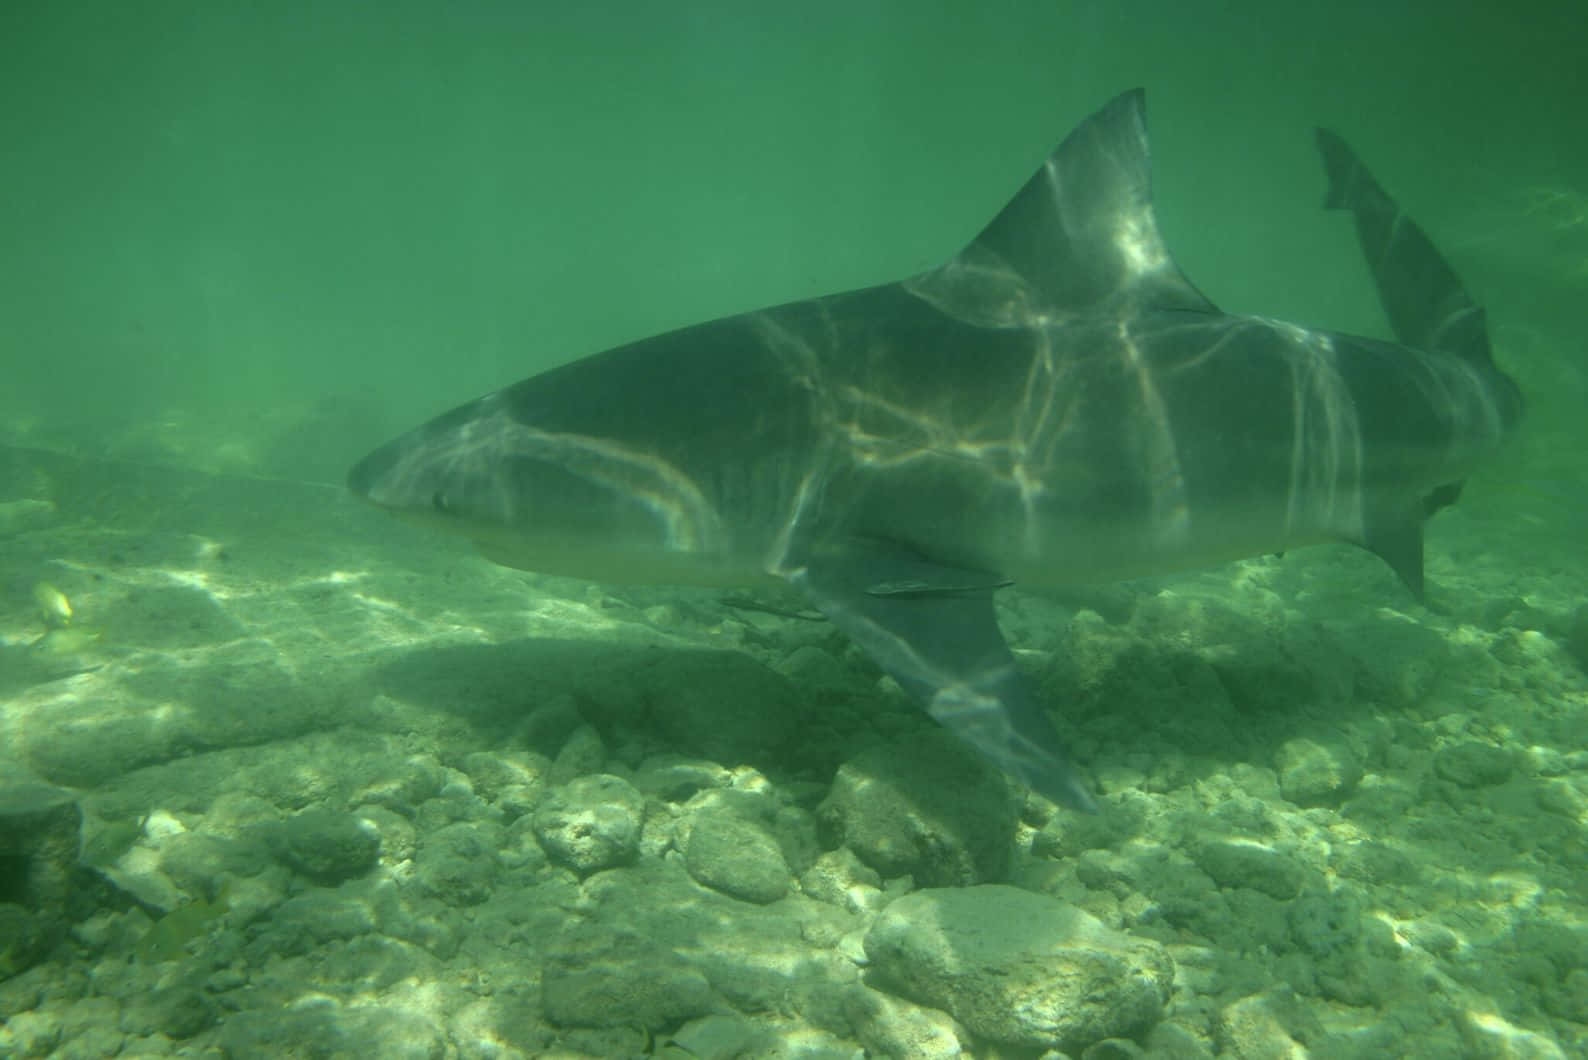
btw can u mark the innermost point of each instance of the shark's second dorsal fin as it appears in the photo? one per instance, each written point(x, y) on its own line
point(1081, 233)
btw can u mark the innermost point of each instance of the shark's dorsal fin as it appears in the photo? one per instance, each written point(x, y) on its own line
point(1080, 233)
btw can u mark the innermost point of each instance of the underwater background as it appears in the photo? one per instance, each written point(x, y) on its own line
point(280, 777)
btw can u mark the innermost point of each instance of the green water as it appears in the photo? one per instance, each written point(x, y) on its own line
point(244, 205)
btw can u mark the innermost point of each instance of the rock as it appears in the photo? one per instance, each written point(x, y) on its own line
point(1316, 774)
point(840, 878)
point(30, 1034)
point(402, 787)
point(244, 695)
point(798, 836)
point(1567, 998)
point(721, 1036)
point(591, 823)
point(1396, 658)
point(548, 724)
point(328, 847)
point(890, 1026)
point(721, 706)
point(500, 776)
point(398, 836)
point(25, 513)
point(1170, 1041)
point(1271, 1024)
point(199, 862)
point(40, 834)
point(310, 920)
point(1245, 863)
point(90, 1029)
point(1372, 862)
point(502, 1026)
point(1577, 637)
point(730, 854)
point(316, 1025)
point(1020, 968)
point(178, 1011)
point(1493, 1037)
point(819, 674)
point(440, 933)
point(458, 862)
point(25, 939)
point(583, 753)
point(1351, 954)
point(1264, 672)
point(596, 977)
point(1472, 764)
point(924, 805)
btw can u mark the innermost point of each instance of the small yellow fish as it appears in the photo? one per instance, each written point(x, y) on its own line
point(54, 607)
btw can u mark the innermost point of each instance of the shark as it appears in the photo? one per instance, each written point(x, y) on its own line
point(1055, 405)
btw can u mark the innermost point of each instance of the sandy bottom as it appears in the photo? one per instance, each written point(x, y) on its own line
point(315, 753)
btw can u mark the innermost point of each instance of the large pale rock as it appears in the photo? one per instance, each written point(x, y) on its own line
point(736, 856)
point(1020, 968)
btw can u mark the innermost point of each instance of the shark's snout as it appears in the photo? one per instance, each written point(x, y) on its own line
point(369, 479)
point(396, 476)
point(362, 476)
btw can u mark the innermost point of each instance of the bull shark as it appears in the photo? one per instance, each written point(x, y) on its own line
point(1055, 405)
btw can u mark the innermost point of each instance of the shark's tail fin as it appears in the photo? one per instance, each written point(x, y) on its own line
point(1430, 310)
point(1426, 303)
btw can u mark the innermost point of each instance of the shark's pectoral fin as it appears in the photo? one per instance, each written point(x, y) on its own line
point(1397, 539)
point(933, 629)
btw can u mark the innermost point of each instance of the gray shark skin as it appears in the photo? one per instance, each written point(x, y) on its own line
point(1056, 405)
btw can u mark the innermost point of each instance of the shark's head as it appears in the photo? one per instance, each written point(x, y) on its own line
point(554, 501)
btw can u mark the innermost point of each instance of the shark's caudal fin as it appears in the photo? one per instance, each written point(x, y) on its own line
point(1428, 309)
point(1079, 234)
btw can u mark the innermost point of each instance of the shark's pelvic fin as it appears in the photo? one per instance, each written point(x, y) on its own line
point(1397, 539)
